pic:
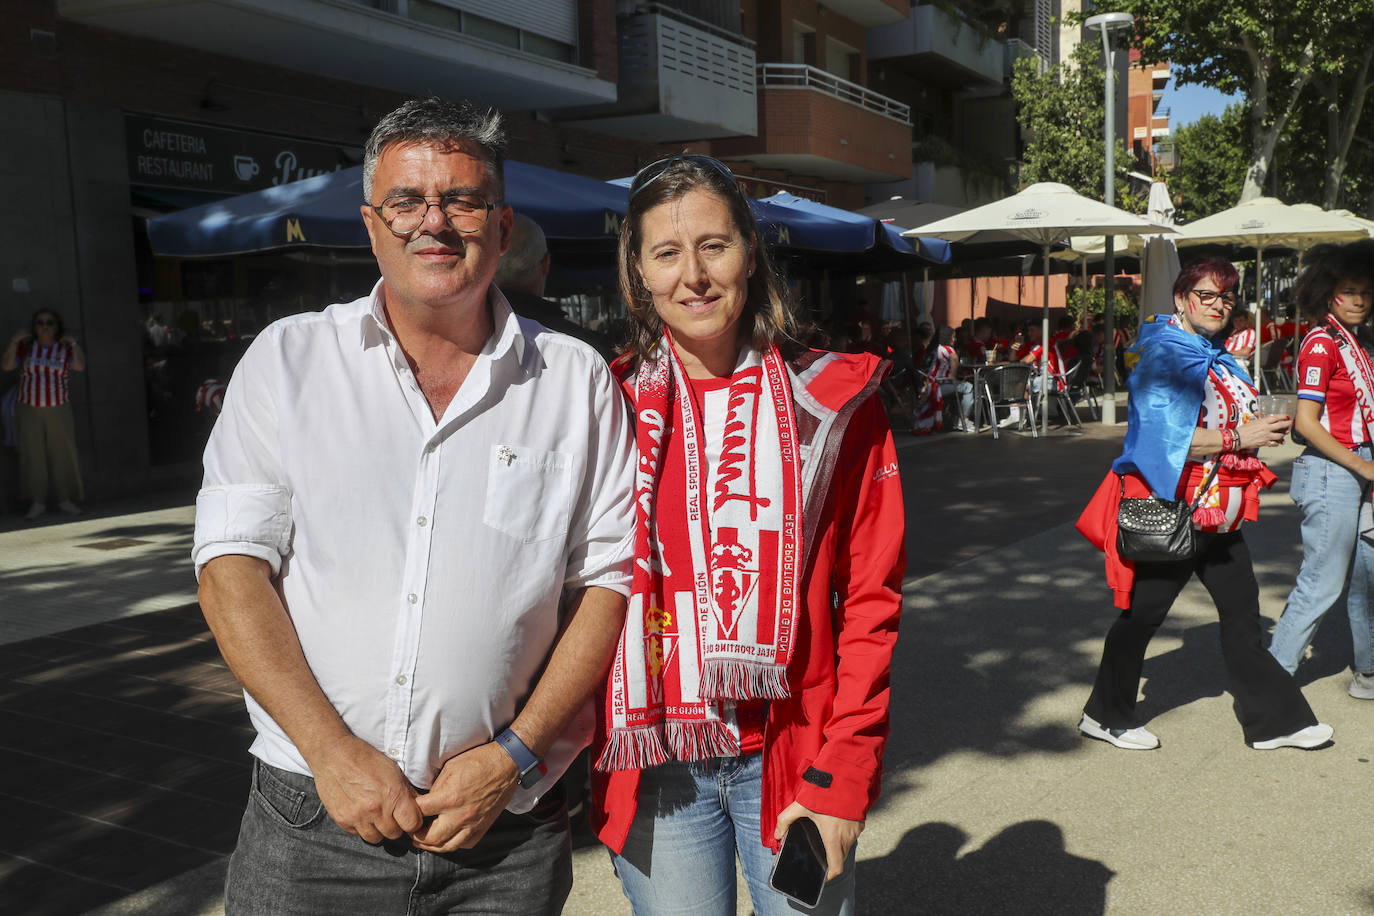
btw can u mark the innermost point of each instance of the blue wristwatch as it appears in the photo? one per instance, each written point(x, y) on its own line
point(531, 767)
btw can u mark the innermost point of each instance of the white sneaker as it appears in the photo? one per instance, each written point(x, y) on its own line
point(35, 510)
point(69, 507)
point(1309, 738)
point(1362, 686)
point(1131, 739)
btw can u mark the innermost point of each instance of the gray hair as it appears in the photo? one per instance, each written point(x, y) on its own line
point(443, 123)
point(520, 264)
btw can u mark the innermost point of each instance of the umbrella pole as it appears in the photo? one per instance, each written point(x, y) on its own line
point(1259, 294)
point(1045, 349)
point(1297, 322)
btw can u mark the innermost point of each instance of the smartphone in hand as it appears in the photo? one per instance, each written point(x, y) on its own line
point(799, 870)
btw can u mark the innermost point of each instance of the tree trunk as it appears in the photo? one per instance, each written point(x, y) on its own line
point(1341, 124)
point(1265, 130)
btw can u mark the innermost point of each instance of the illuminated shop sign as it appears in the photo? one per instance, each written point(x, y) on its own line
point(180, 154)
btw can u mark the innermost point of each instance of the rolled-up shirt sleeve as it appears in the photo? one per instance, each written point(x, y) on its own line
point(244, 505)
point(601, 537)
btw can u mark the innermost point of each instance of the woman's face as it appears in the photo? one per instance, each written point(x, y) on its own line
point(697, 265)
point(45, 328)
point(1205, 317)
point(1352, 300)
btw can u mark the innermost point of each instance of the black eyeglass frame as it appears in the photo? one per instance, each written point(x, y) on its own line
point(1208, 296)
point(431, 202)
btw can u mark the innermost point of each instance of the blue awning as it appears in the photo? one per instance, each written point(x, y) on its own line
point(323, 212)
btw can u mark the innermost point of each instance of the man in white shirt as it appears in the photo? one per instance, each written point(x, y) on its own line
point(413, 544)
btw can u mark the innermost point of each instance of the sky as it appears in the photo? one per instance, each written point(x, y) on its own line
point(1188, 103)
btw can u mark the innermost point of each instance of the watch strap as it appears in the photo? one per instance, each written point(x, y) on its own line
point(530, 766)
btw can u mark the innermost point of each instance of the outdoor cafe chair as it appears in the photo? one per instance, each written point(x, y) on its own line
point(1004, 386)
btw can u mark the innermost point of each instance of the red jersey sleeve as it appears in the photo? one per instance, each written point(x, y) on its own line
point(1316, 365)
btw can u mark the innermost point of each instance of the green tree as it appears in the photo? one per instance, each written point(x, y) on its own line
point(1270, 51)
point(1212, 158)
point(1060, 112)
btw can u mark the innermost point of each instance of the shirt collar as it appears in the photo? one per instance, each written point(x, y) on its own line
point(507, 335)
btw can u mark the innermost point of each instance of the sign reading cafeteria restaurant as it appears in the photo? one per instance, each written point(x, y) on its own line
point(179, 154)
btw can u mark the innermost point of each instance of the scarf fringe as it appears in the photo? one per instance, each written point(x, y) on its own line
point(1234, 462)
point(701, 739)
point(1208, 517)
point(732, 679)
point(633, 749)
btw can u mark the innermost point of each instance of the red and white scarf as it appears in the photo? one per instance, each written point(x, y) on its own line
point(1228, 403)
point(714, 600)
point(1358, 367)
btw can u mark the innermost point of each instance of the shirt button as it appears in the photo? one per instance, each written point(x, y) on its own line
point(412, 597)
point(401, 679)
point(393, 752)
point(422, 521)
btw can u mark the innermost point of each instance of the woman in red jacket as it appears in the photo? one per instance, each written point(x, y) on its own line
point(750, 688)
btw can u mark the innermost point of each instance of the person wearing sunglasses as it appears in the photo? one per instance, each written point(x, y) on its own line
point(751, 684)
point(1193, 435)
point(45, 357)
point(1331, 478)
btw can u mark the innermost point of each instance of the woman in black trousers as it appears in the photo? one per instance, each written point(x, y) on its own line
point(1193, 435)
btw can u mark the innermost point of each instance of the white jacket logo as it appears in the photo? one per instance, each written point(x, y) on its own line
point(886, 471)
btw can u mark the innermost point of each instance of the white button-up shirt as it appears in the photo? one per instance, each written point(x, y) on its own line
point(422, 563)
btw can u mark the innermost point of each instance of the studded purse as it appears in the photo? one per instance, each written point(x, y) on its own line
point(1153, 530)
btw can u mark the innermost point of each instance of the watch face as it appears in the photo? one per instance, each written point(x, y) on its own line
point(532, 775)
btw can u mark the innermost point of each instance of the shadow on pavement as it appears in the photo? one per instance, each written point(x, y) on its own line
point(1024, 870)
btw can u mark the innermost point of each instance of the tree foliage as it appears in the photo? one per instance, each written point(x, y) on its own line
point(1212, 159)
point(1061, 116)
point(1277, 54)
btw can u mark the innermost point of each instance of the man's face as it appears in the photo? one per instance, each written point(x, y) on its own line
point(436, 265)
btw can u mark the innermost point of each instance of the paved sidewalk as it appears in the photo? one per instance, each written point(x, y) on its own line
point(126, 739)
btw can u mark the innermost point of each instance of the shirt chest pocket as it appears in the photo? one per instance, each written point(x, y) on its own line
point(529, 493)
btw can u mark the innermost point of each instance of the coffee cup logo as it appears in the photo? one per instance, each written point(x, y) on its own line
point(245, 167)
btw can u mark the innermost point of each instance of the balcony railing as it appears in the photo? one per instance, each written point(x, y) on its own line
point(1017, 49)
point(804, 76)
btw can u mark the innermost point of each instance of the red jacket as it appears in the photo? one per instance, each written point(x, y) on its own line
point(823, 746)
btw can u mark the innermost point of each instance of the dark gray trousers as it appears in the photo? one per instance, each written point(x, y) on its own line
point(293, 859)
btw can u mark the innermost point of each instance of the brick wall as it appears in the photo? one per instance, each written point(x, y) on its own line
point(805, 122)
point(596, 33)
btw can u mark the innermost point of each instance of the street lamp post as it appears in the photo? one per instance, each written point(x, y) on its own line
point(1107, 23)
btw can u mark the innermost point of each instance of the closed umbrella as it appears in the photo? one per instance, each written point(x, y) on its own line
point(1159, 268)
point(1046, 213)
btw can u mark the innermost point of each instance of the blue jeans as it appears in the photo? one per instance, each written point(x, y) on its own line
point(964, 390)
point(691, 821)
point(1335, 509)
point(292, 859)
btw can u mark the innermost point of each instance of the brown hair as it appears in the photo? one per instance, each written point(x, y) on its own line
point(767, 310)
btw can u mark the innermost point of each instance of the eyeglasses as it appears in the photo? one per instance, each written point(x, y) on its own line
point(651, 172)
point(1208, 296)
point(45, 323)
point(404, 213)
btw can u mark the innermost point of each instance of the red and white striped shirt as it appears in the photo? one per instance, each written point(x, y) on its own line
point(1241, 340)
point(1322, 377)
point(43, 373)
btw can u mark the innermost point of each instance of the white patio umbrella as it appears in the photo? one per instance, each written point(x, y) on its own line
point(1046, 214)
point(1267, 222)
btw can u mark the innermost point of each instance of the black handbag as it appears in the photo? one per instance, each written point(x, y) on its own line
point(1153, 530)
